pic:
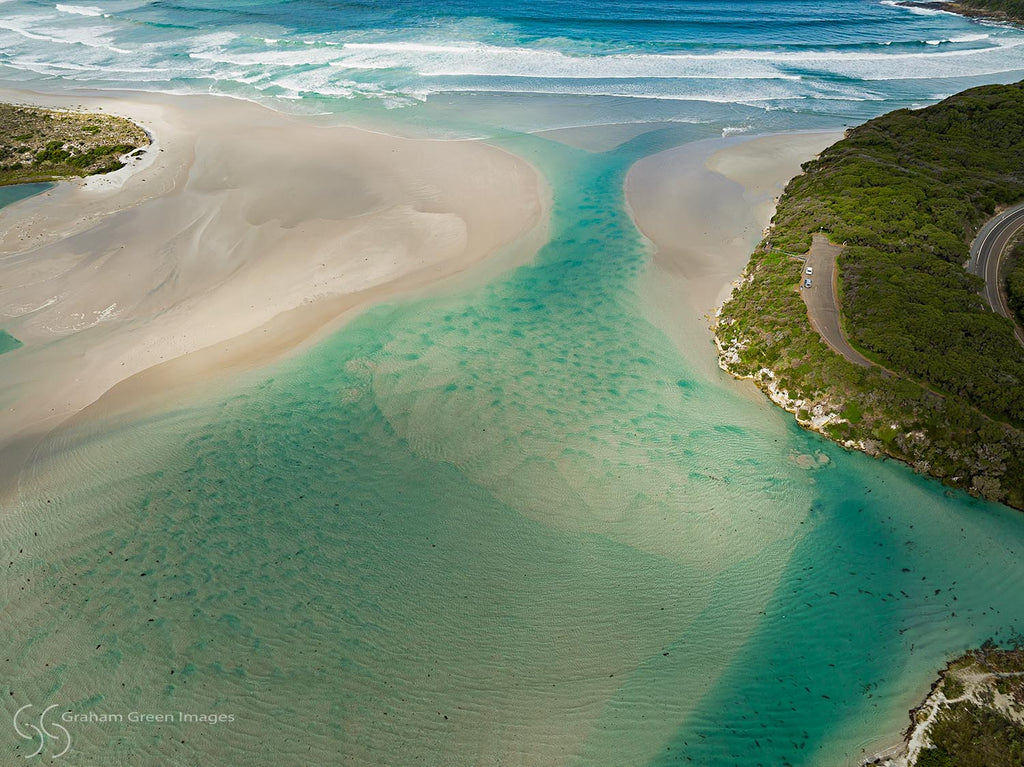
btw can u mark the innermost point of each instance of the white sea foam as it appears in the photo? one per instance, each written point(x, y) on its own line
point(12, 26)
point(400, 71)
point(959, 39)
point(750, 96)
point(269, 58)
point(436, 60)
point(917, 10)
point(226, 56)
point(80, 10)
point(90, 37)
point(480, 60)
point(325, 82)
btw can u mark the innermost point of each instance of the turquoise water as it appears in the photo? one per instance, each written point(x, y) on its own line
point(509, 526)
point(481, 67)
point(8, 196)
point(11, 194)
point(8, 342)
point(512, 524)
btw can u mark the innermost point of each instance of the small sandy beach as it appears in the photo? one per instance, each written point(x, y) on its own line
point(704, 207)
point(239, 236)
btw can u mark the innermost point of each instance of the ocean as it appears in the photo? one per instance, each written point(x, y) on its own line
point(468, 65)
point(511, 524)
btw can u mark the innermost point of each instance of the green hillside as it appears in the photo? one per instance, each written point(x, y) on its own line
point(906, 192)
point(1013, 9)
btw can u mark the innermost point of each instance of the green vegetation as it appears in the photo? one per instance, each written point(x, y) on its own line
point(905, 192)
point(986, 727)
point(8, 342)
point(45, 145)
point(952, 687)
point(969, 735)
point(1015, 281)
point(1009, 9)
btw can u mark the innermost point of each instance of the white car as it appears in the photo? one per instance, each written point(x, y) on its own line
point(807, 283)
point(809, 270)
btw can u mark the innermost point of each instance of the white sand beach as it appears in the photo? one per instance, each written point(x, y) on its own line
point(239, 235)
point(704, 207)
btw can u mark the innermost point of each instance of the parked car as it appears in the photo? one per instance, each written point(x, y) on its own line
point(809, 270)
point(807, 283)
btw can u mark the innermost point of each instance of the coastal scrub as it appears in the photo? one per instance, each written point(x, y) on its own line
point(905, 193)
point(48, 145)
point(1015, 281)
point(974, 714)
point(1010, 10)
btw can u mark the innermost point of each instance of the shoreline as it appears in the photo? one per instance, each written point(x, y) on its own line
point(979, 678)
point(242, 235)
point(764, 333)
point(899, 754)
point(703, 207)
point(960, 9)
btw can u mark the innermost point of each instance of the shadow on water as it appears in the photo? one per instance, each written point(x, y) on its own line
point(896, 576)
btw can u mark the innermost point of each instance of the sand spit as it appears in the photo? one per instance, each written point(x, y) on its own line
point(705, 206)
point(242, 233)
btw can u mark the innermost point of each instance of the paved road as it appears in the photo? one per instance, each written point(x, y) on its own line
point(822, 299)
point(986, 252)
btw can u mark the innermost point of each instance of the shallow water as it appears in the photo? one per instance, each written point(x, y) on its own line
point(12, 194)
point(509, 525)
point(8, 196)
point(506, 526)
point(8, 342)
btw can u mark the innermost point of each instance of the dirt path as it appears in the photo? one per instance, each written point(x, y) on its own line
point(822, 299)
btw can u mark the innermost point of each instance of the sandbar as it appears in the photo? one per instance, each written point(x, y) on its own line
point(704, 206)
point(239, 236)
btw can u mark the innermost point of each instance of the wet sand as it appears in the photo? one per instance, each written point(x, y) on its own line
point(239, 236)
point(704, 207)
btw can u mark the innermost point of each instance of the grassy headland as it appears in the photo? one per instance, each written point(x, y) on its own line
point(1011, 11)
point(47, 145)
point(1008, 10)
point(905, 192)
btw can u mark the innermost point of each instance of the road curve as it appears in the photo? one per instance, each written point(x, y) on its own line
point(986, 252)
